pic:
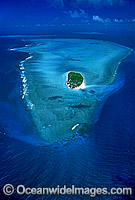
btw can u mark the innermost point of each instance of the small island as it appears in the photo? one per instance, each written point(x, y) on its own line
point(75, 80)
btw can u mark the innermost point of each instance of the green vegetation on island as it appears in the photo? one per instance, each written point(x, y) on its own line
point(74, 80)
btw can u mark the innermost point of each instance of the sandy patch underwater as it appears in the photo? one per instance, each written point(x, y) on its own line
point(54, 108)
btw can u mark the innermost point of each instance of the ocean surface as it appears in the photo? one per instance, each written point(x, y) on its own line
point(105, 158)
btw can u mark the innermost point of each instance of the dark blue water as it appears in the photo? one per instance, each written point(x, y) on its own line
point(105, 159)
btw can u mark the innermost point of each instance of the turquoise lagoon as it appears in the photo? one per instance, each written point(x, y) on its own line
point(58, 112)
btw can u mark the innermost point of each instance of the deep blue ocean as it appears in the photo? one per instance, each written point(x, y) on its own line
point(105, 159)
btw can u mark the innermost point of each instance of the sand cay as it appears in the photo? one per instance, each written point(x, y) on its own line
point(58, 112)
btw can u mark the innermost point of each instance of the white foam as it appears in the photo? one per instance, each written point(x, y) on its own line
point(21, 68)
point(30, 105)
point(28, 58)
point(75, 126)
point(24, 80)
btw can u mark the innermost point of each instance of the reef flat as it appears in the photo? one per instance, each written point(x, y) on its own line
point(57, 111)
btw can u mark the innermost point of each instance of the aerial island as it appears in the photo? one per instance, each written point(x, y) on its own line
point(65, 83)
point(75, 80)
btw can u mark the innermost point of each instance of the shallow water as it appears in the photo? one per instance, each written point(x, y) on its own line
point(54, 108)
point(104, 159)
